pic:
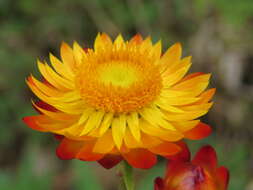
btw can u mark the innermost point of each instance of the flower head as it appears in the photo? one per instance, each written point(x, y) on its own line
point(202, 173)
point(120, 100)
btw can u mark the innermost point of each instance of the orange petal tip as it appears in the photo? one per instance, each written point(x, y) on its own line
point(140, 158)
point(68, 149)
point(183, 155)
point(201, 131)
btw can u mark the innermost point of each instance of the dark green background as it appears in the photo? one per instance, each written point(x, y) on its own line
point(218, 33)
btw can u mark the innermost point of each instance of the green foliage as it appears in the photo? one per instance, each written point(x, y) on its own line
point(147, 183)
point(26, 176)
point(85, 176)
point(235, 11)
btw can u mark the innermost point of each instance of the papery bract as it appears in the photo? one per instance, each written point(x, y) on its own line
point(120, 100)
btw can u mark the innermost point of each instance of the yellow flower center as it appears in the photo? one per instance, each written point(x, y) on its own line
point(118, 81)
point(117, 74)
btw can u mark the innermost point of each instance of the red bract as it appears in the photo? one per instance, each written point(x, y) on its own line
point(201, 173)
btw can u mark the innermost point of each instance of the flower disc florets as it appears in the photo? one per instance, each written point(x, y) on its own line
point(122, 80)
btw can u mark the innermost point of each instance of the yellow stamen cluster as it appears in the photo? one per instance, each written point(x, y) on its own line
point(122, 82)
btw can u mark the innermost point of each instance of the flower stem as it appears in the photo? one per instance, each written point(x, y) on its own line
point(127, 176)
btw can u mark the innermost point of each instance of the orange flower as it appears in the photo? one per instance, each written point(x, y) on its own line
point(202, 173)
point(120, 100)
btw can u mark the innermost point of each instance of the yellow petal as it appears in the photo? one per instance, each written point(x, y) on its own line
point(104, 143)
point(146, 45)
point(53, 78)
point(156, 50)
point(184, 126)
point(175, 77)
point(156, 118)
point(93, 122)
point(106, 123)
point(171, 57)
point(49, 91)
point(64, 82)
point(48, 77)
point(161, 102)
point(206, 106)
point(67, 56)
point(75, 107)
point(85, 115)
point(118, 131)
point(38, 93)
point(70, 96)
point(119, 41)
point(79, 54)
point(168, 93)
point(130, 141)
point(133, 124)
point(191, 82)
point(60, 68)
point(177, 101)
point(177, 65)
point(163, 134)
point(102, 42)
point(185, 116)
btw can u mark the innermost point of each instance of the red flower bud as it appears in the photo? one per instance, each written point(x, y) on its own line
point(202, 173)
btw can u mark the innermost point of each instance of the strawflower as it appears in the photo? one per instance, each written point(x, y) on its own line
point(202, 173)
point(120, 100)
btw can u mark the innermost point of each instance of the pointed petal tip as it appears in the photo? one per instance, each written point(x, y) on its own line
point(206, 157)
point(201, 131)
point(68, 149)
point(184, 155)
point(178, 45)
point(137, 39)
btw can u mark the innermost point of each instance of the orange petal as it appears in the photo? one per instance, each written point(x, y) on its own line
point(206, 96)
point(183, 155)
point(206, 157)
point(137, 39)
point(186, 84)
point(104, 143)
point(165, 149)
point(192, 75)
point(149, 141)
point(130, 141)
point(201, 131)
point(222, 175)
point(110, 160)
point(140, 158)
point(67, 56)
point(87, 154)
point(68, 149)
point(30, 121)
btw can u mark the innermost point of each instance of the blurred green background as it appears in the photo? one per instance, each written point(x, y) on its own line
point(218, 33)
